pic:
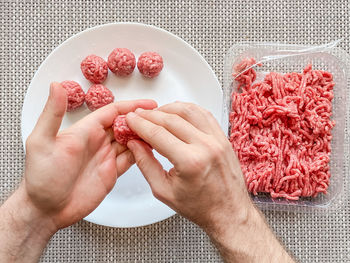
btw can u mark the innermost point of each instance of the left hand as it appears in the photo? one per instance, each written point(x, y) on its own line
point(69, 173)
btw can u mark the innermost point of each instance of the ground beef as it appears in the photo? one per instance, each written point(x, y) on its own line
point(94, 68)
point(281, 131)
point(150, 64)
point(121, 62)
point(98, 96)
point(122, 132)
point(75, 94)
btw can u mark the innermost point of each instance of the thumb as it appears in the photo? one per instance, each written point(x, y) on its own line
point(51, 118)
point(151, 169)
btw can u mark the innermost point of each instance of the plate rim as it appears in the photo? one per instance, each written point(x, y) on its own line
point(97, 27)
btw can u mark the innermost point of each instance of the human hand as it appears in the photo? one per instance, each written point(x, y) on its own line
point(69, 173)
point(206, 184)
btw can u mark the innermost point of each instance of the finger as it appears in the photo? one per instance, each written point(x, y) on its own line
point(50, 119)
point(110, 134)
point(151, 169)
point(105, 115)
point(176, 125)
point(197, 116)
point(118, 148)
point(124, 161)
point(107, 172)
point(158, 137)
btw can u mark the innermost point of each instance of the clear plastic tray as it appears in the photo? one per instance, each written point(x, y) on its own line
point(287, 58)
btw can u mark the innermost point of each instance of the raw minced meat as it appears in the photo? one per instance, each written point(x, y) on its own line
point(94, 68)
point(121, 61)
point(122, 132)
point(98, 96)
point(150, 64)
point(281, 131)
point(75, 94)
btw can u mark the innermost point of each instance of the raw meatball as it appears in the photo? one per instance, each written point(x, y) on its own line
point(94, 68)
point(121, 61)
point(122, 132)
point(75, 94)
point(150, 64)
point(98, 96)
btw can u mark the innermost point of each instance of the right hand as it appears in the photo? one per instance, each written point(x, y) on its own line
point(206, 184)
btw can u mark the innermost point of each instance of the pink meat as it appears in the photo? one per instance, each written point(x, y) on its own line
point(98, 96)
point(281, 131)
point(245, 74)
point(121, 61)
point(94, 68)
point(122, 132)
point(150, 64)
point(75, 94)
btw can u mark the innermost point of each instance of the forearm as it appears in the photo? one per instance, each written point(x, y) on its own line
point(248, 240)
point(24, 231)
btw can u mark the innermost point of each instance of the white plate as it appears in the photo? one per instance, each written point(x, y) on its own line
point(186, 76)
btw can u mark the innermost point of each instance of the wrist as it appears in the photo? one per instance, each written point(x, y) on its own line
point(227, 223)
point(24, 229)
point(26, 216)
point(244, 236)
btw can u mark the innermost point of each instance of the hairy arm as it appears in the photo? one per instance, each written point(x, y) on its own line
point(247, 238)
point(24, 230)
point(206, 183)
point(67, 175)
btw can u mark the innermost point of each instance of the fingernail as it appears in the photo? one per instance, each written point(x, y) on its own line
point(52, 86)
point(138, 110)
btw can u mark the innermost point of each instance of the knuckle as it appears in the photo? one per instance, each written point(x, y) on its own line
point(216, 148)
point(141, 162)
point(188, 109)
point(208, 113)
point(217, 151)
point(171, 119)
point(157, 194)
point(46, 108)
point(177, 103)
point(130, 157)
point(156, 132)
point(198, 163)
point(191, 107)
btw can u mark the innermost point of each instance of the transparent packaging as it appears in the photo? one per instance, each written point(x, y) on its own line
point(293, 58)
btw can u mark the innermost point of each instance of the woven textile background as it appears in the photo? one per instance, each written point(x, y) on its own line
point(31, 29)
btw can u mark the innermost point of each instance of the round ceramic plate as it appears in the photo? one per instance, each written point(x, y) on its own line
point(186, 76)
